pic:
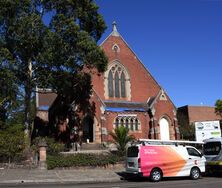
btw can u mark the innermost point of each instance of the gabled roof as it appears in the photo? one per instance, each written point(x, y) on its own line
point(98, 98)
point(44, 98)
point(152, 100)
point(115, 33)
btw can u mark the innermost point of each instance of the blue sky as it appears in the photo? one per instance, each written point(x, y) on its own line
point(179, 42)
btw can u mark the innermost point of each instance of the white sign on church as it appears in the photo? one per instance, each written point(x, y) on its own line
point(207, 129)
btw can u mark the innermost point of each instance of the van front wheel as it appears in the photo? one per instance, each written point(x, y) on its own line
point(156, 175)
point(195, 173)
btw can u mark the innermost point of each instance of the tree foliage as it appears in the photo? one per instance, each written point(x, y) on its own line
point(51, 44)
point(187, 132)
point(218, 107)
point(121, 138)
point(53, 147)
point(7, 93)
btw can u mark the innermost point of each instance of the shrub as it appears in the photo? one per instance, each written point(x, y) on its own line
point(79, 160)
point(11, 142)
point(121, 138)
point(53, 147)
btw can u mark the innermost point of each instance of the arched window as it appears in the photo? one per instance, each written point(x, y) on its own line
point(121, 122)
point(123, 88)
point(117, 85)
point(131, 124)
point(136, 124)
point(117, 123)
point(117, 82)
point(110, 84)
point(127, 123)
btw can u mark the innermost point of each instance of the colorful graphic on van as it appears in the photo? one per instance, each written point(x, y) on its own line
point(166, 158)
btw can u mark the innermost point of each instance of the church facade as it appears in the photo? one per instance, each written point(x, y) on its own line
point(128, 95)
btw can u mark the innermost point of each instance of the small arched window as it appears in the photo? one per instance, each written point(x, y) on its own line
point(131, 124)
point(136, 124)
point(117, 123)
point(127, 123)
point(116, 48)
point(122, 122)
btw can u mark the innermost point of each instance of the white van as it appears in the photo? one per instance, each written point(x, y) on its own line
point(157, 159)
point(212, 150)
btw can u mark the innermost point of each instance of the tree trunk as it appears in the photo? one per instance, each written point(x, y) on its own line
point(28, 95)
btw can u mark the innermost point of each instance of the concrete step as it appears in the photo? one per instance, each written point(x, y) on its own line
point(92, 146)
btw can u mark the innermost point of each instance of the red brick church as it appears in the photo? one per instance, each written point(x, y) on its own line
point(127, 94)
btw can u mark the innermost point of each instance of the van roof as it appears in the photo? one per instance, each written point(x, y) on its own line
point(167, 142)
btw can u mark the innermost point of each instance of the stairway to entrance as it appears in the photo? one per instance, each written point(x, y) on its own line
point(92, 146)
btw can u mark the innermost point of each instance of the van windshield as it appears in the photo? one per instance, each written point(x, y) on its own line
point(212, 148)
point(132, 151)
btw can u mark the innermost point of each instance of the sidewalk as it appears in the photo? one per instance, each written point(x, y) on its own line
point(81, 175)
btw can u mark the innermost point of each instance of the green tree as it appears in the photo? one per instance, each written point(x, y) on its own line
point(218, 107)
point(51, 43)
point(121, 138)
point(187, 132)
point(8, 92)
point(11, 142)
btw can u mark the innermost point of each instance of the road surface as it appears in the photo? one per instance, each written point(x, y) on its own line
point(206, 182)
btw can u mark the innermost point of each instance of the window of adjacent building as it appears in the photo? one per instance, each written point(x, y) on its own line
point(132, 123)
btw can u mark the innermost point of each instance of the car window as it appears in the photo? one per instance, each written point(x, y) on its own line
point(212, 148)
point(132, 151)
point(193, 152)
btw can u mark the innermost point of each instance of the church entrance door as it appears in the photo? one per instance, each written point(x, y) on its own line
point(164, 129)
point(88, 129)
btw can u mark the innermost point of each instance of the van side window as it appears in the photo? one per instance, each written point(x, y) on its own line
point(193, 152)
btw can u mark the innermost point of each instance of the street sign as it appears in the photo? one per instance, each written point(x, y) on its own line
point(207, 129)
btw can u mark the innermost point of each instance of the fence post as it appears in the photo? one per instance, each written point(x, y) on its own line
point(42, 154)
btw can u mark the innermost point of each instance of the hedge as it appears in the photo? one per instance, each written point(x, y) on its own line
point(80, 160)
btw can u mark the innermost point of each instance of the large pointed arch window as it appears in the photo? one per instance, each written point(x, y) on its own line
point(117, 82)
